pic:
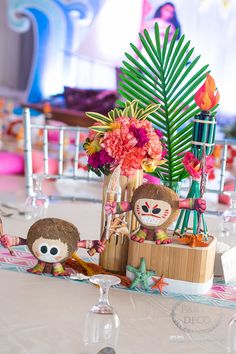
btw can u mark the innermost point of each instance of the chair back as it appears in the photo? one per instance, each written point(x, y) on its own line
point(61, 151)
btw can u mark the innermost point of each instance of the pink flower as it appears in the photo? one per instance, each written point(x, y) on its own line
point(193, 165)
point(118, 142)
point(99, 159)
point(140, 134)
point(132, 162)
point(159, 133)
point(155, 148)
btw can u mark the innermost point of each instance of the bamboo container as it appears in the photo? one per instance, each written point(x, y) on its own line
point(114, 258)
point(128, 185)
point(175, 261)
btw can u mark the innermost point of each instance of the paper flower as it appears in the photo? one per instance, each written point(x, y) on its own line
point(125, 138)
point(100, 159)
point(92, 146)
point(193, 165)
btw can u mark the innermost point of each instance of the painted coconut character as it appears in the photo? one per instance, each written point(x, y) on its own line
point(52, 241)
point(156, 207)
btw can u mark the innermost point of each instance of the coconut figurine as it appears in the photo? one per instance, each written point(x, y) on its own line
point(155, 207)
point(52, 241)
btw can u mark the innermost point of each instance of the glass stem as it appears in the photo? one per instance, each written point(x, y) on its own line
point(104, 295)
point(38, 185)
point(233, 204)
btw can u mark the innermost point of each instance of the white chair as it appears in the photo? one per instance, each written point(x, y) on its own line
point(60, 153)
point(225, 143)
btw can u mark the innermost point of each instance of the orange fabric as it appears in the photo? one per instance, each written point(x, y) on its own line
point(91, 269)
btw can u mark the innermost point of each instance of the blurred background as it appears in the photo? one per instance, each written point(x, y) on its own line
point(62, 57)
point(48, 44)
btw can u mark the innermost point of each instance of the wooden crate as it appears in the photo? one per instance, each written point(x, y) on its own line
point(175, 261)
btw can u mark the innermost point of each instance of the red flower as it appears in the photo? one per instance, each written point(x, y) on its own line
point(193, 165)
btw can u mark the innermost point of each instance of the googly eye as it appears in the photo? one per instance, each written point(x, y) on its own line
point(54, 250)
point(43, 248)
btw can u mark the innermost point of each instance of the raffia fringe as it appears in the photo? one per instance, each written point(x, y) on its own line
point(90, 269)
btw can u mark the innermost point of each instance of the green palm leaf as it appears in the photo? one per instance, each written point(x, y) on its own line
point(167, 75)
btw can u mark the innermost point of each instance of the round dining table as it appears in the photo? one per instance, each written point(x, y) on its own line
point(46, 315)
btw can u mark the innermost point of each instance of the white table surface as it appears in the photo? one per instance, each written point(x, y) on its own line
point(41, 315)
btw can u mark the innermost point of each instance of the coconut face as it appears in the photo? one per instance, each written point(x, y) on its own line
point(52, 240)
point(152, 212)
point(155, 205)
point(51, 251)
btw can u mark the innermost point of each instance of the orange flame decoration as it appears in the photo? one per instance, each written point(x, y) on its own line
point(207, 96)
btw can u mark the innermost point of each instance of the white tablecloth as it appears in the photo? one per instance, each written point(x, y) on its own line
point(41, 315)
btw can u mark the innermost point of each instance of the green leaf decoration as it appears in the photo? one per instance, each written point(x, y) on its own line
point(131, 110)
point(99, 117)
point(165, 75)
point(101, 128)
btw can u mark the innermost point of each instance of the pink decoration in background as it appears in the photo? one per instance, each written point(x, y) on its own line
point(38, 166)
point(11, 163)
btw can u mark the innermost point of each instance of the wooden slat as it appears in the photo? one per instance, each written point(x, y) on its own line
point(182, 264)
point(165, 260)
point(111, 251)
point(125, 247)
point(198, 258)
point(190, 264)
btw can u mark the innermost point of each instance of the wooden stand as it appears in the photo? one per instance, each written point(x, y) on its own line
point(175, 261)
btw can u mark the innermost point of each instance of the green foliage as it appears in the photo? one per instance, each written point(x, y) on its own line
point(131, 110)
point(166, 75)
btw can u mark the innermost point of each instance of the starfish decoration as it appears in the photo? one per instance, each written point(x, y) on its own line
point(159, 283)
point(193, 240)
point(141, 274)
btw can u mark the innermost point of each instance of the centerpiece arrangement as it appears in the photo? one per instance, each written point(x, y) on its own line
point(166, 127)
point(160, 84)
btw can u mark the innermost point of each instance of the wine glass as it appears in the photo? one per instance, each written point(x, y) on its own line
point(231, 345)
point(37, 203)
point(101, 329)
